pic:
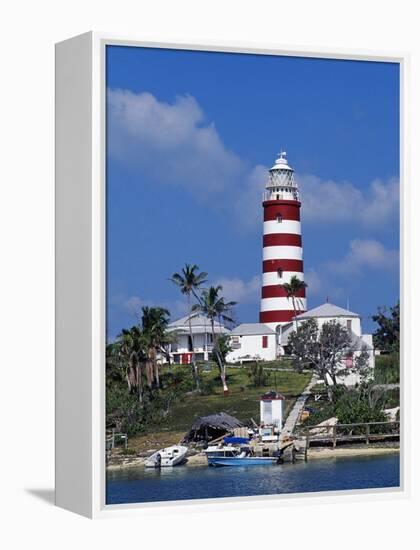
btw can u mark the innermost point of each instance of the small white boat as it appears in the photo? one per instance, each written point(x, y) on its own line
point(228, 455)
point(170, 456)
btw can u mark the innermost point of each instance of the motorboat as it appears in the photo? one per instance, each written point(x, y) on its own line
point(169, 456)
point(229, 455)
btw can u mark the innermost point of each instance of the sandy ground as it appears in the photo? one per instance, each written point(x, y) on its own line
point(322, 452)
point(194, 460)
point(313, 454)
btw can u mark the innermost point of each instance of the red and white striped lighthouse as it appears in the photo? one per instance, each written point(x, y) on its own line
point(282, 245)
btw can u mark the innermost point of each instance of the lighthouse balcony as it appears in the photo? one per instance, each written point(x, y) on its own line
point(274, 194)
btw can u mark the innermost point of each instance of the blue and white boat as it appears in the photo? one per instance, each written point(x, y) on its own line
point(229, 455)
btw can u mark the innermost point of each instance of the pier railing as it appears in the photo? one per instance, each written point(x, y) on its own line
point(364, 432)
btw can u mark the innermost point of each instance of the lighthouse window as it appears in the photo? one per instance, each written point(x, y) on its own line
point(280, 273)
point(279, 218)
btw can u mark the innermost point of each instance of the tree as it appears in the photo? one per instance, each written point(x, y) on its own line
point(154, 323)
point(189, 281)
point(387, 336)
point(127, 354)
point(293, 288)
point(258, 375)
point(325, 351)
point(224, 346)
point(214, 306)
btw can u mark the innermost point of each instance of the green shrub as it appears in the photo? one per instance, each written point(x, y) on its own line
point(392, 398)
point(258, 376)
point(123, 410)
point(387, 369)
point(352, 406)
point(129, 452)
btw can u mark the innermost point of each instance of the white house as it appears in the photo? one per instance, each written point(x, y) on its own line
point(259, 342)
point(252, 341)
point(351, 321)
point(181, 349)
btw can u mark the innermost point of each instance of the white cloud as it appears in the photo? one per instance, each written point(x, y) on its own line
point(332, 202)
point(247, 204)
point(174, 144)
point(365, 254)
point(313, 280)
point(170, 142)
point(133, 305)
point(237, 290)
point(337, 278)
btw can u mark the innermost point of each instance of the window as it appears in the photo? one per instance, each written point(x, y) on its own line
point(265, 341)
point(235, 342)
point(280, 273)
point(279, 218)
point(349, 325)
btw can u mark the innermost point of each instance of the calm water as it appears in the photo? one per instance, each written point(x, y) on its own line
point(182, 482)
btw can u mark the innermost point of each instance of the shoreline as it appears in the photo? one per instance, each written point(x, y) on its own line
point(315, 453)
point(322, 452)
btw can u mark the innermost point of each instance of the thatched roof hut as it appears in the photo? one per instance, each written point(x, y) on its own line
point(207, 428)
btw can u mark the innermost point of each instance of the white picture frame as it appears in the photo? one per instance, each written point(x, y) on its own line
point(80, 272)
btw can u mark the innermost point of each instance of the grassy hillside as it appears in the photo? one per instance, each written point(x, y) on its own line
point(242, 401)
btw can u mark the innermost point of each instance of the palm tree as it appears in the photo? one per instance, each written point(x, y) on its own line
point(213, 306)
point(189, 281)
point(292, 288)
point(154, 322)
point(128, 353)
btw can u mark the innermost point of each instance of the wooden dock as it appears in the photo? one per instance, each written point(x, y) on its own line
point(341, 434)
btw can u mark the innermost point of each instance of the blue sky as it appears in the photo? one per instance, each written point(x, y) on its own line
point(190, 136)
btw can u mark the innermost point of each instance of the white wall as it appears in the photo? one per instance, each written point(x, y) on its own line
point(182, 342)
point(252, 345)
point(287, 226)
point(355, 323)
point(271, 277)
point(275, 416)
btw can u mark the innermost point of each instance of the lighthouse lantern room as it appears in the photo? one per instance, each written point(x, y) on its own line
point(282, 246)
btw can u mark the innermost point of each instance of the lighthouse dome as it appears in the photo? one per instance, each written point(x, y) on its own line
point(281, 163)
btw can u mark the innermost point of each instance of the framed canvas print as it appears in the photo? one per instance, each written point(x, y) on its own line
point(228, 269)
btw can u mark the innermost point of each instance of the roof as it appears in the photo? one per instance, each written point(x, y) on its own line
point(196, 321)
point(272, 395)
point(248, 329)
point(201, 329)
point(217, 420)
point(207, 427)
point(327, 310)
